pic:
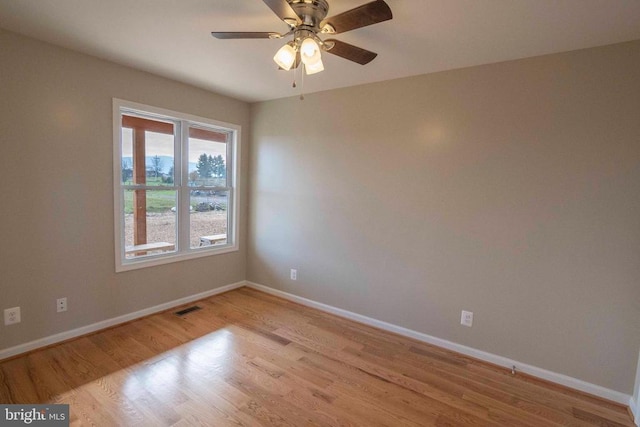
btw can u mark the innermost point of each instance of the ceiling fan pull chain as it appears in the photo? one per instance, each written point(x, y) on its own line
point(302, 71)
point(294, 78)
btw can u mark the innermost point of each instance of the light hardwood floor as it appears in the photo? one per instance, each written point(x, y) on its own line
point(248, 358)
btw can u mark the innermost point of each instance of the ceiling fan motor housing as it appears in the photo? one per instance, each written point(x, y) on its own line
point(311, 12)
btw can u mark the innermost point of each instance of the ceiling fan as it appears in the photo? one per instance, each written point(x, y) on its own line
point(307, 19)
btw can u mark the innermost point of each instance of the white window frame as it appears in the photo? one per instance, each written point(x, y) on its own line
point(181, 171)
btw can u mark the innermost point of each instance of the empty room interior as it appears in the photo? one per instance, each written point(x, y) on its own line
point(321, 212)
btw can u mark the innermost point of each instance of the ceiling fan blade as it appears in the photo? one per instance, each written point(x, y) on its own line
point(349, 51)
point(367, 14)
point(245, 35)
point(284, 11)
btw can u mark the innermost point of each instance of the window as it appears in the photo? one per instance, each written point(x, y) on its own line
point(175, 186)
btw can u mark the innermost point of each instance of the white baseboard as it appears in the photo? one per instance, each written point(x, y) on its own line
point(634, 406)
point(554, 377)
point(63, 336)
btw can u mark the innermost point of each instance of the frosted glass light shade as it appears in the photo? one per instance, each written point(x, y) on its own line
point(309, 51)
point(315, 67)
point(285, 57)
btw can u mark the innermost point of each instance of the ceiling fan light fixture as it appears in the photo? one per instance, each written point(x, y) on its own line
point(285, 57)
point(310, 51)
point(314, 67)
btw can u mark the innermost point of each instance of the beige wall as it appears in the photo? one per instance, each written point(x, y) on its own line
point(510, 190)
point(57, 190)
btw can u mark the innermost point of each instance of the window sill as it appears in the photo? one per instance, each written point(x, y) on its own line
point(153, 261)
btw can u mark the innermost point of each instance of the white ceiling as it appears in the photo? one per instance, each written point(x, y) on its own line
point(172, 37)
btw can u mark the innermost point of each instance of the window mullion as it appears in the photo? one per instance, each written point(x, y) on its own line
point(183, 192)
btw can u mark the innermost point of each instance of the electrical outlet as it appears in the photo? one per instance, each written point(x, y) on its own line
point(467, 318)
point(294, 274)
point(61, 304)
point(12, 316)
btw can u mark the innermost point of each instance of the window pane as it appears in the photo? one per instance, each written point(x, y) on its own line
point(209, 218)
point(147, 151)
point(159, 158)
point(207, 158)
point(127, 156)
point(150, 222)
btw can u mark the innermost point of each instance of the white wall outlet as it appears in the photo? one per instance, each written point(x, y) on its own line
point(12, 315)
point(61, 304)
point(294, 274)
point(467, 318)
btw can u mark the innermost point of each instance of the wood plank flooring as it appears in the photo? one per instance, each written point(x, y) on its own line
point(248, 358)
